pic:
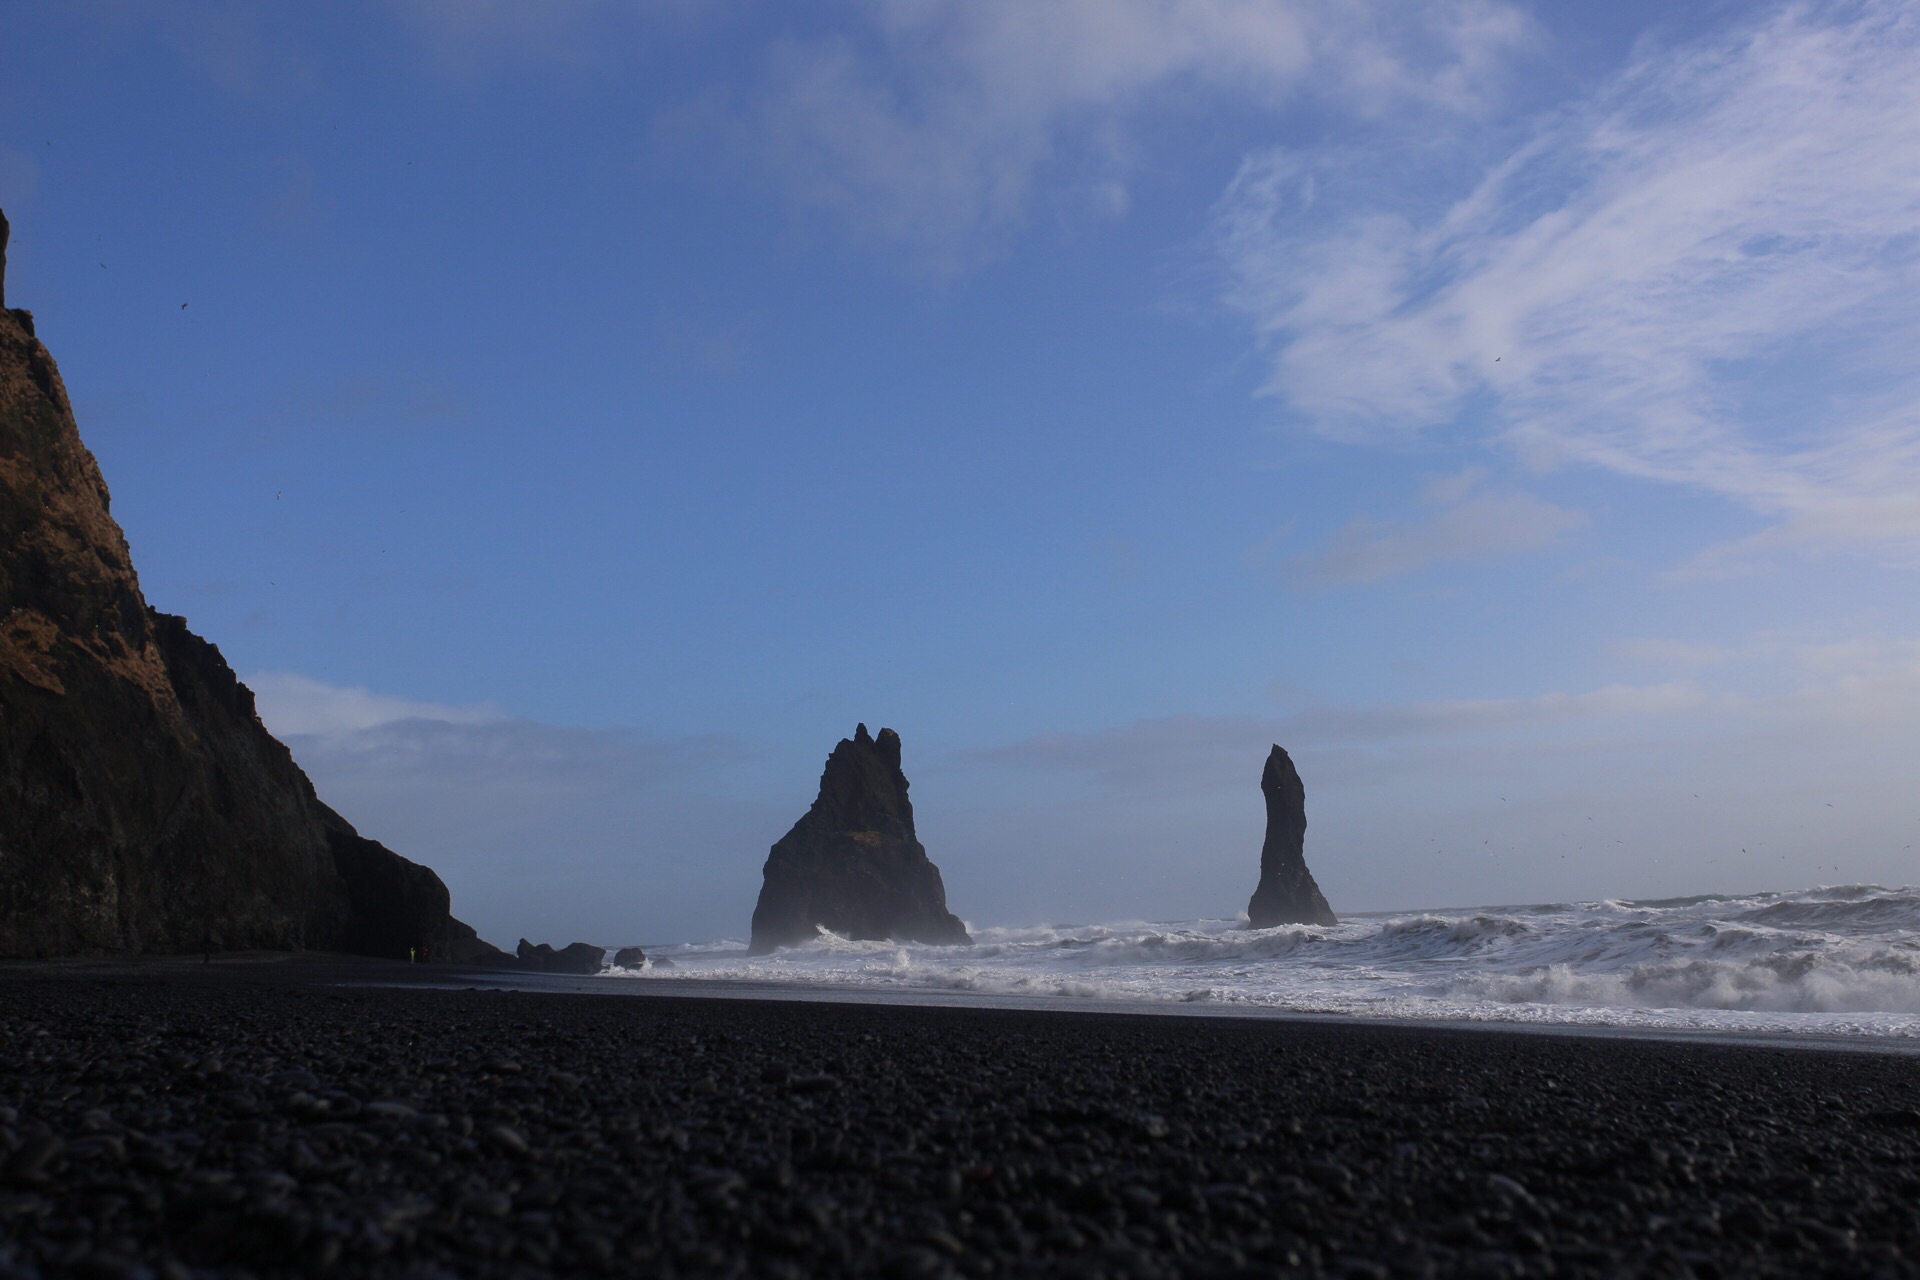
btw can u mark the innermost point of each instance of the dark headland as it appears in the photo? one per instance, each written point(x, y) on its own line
point(143, 806)
point(257, 1118)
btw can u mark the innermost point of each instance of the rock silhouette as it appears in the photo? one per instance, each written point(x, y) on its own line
point(143, 806)
point(852, 864)
point(1286, 893)
point(575, 957)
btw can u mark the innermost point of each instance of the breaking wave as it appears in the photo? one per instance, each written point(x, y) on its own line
point(1842, 960)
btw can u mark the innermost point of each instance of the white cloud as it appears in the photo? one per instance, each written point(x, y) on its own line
point(1184, 753)
point(1707, 274)
point(1863, 677)
point(539, 830)
point(1467, 526)
point(497, 759)
point(1818, 690)
point(291, 704)
point(1662, 651)
point(929, 124)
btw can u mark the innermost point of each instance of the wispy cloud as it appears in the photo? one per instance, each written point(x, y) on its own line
point(1813, 690)
point(1867, 675)
point(929, 126)
point(1466, 525)
point(356, 734)
point(527, 821)
point(1670, 654)
point(1711, 782)
point(1177, 755)
point(291, 704)
point(1706, 274)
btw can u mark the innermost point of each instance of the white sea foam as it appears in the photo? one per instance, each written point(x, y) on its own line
point(1833, 961)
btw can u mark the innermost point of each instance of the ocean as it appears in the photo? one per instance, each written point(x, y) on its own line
point(1833, 961)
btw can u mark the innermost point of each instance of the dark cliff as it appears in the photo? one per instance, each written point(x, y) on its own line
point(852, 864)
point(143, 806)
point(1287, 893)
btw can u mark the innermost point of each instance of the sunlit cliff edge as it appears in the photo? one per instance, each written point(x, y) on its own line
point(143, 806)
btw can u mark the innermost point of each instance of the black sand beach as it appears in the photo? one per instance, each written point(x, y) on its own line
point(256, 1119)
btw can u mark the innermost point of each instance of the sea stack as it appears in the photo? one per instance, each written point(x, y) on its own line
point(852, 864)
point(1287, 893)
point(143, 806)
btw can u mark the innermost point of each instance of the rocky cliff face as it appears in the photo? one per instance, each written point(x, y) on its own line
point(1287, 893)
point(143, 806)
point(853, 863)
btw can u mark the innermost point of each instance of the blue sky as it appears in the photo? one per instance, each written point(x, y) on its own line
point(580, 416)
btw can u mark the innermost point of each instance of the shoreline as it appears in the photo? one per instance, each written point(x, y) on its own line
point(350, 970)
point(824, 993)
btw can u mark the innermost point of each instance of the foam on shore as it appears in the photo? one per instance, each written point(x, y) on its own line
point(1830, 961)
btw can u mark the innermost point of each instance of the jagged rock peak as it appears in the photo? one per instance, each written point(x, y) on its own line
point(887, 745)
point(143, 806)
point(853, 864)
point(1287, 893)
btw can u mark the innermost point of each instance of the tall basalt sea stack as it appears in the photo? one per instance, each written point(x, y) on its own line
point(853, 864)
point(1287, 893)
point(143, 806)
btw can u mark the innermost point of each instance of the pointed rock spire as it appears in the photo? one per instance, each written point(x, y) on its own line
point(1287, 893)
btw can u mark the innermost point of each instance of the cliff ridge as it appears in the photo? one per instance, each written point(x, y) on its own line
point(143, 806)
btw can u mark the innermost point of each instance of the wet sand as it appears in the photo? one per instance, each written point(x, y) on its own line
point(262, 1118)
